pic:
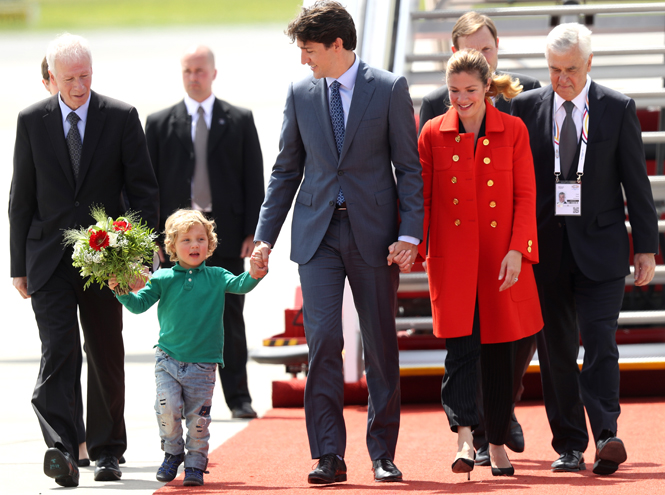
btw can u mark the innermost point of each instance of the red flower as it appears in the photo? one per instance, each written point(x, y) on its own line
point(122, 226)
point(99, 240)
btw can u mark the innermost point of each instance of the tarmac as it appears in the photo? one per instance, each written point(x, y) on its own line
point(141, 67)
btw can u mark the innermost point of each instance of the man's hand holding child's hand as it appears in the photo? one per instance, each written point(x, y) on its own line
point(257, 269)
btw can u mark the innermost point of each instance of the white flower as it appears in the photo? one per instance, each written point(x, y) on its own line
point(113, 239)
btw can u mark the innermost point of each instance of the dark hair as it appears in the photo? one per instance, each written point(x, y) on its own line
point(323, 22)
point(45, 74)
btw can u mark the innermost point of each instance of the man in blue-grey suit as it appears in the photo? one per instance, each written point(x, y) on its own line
point(344, 130)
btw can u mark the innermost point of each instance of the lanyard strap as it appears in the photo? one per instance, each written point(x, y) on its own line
point(585, 138)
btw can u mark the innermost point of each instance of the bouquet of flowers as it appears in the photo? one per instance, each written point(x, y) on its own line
point(112, 247)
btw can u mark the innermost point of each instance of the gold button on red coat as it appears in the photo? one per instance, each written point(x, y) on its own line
point(455, 158)
point(486, 161)
point(528, 249)
point(455, 201)
point(493, 223)
point(454, 180)
point(457, 222)
point(530, 243)
point(490, 182)
point(492, 204)
point(457, 139)
point(486, 141)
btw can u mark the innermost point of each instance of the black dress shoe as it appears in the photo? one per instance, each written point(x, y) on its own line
point(331, 468)
point(569, 462)
point(107, 468)
point(509, 471)
point(515, 441)
point(385, 470)
point(610, 452)
point(464, 465)
point(483, 456)
point(84, 462)
point(244, 411)
point(60, 466)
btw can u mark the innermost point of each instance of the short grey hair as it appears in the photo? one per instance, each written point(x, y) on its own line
point(564, 37)
point(67, 48)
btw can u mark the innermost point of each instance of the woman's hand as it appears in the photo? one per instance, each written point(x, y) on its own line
point(511, 266)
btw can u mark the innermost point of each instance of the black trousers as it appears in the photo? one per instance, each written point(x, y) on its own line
point(233, 375)
point(375, 297)
point(458, 390)
point(57, 395)
point(524, 350)
point(574, 305)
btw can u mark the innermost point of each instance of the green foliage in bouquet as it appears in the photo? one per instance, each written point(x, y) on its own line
point(112, 247)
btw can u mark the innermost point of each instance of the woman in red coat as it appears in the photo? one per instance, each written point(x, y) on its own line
point(480, 227)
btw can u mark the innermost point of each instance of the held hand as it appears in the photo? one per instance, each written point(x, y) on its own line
point(113, 282)
point(256, 271)
point(262, 250)
point(404, 254)
point(511, 266)
point(21, 284)
point(645, 267)
point(247, 246)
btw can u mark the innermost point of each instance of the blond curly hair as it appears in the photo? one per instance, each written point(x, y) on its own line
point(180, 222)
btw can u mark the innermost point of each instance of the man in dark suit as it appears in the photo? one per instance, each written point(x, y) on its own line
point(73, 150)
point(585, 137)
point(477, 31)
point(344, 129)
point(219, 172)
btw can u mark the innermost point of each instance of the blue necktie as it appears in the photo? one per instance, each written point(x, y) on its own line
point(337, 119)
point(74, 143)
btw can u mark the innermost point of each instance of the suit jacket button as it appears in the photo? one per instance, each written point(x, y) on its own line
point(493, 224)
point(457, 139)
point(486, 141)
point(332, 203)
point(340, 172)
point(455, 158)
point(486, 161)
point(490, 183)
point(530, 243)
point(76, 204)
point(454, 180)
point(528, 249)
point(457, 222)
point(492, 204)
point(455, 201)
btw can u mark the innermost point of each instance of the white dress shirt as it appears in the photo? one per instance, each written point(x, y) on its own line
point(578, 112)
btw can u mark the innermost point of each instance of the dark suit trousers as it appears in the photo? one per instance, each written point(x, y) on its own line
point(233, 376)
point(56, 398)
point(524, 350)
point(572, 305)
point(375, 295)
point(458, 389)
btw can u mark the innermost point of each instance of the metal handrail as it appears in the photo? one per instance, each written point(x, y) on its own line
point(562, 10)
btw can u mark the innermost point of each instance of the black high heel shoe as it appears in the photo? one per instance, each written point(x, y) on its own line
point(464, 465)
point(509, 471)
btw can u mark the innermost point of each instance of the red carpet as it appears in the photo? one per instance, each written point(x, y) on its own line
point(272, 456)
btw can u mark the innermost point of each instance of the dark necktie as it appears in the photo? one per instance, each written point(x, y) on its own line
point(200, 181)
point(568, 139)
point(74, 143)
point(337, 119)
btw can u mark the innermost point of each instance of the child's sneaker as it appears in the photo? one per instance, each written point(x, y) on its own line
point(193, 477)
point(169, 468)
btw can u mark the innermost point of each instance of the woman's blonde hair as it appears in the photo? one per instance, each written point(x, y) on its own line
point(472, 62)
point(180, 222)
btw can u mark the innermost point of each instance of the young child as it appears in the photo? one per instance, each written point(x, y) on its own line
point(191, 338)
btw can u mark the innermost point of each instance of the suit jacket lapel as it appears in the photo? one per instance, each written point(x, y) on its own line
point(319, 90)
point(219, 125)
point(544, 121)
point(181, 123)
point(362, 94)
point(596, 110)
point(94, 125)
point(53, 122)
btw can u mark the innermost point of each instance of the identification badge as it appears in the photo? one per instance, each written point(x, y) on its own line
point(568, 197)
